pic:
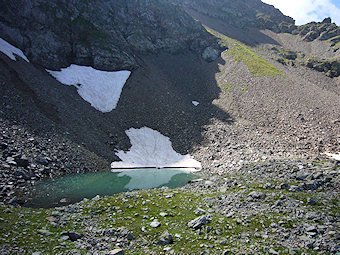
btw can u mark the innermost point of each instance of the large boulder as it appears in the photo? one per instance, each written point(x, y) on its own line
point(210, 54)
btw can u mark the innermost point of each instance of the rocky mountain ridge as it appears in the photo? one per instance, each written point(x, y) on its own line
point(107, 35)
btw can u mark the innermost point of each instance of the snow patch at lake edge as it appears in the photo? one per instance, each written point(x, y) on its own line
point(11, 51)
point(152, 149)
point(101, 89)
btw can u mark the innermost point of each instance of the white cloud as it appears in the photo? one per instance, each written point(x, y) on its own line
point(304, 11)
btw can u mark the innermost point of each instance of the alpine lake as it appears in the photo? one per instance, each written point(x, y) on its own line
point(74, 188)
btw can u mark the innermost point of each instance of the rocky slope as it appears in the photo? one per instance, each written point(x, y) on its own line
point(277, 207)
point(255, 14)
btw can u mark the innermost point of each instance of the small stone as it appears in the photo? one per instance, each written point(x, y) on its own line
point(44, 232)
point(195, 180)
point(22, 161)
point(3, 146)
point(42, 161)
point(272, 251)
point(165, 238)
point(13, 200)
point(294, 188)
point(125, 233)
point(302, 176)
point(311, 229)
point(284, 186)
point(116, 252)
point(51, 219)
point(198, 222)
point(268, 186)
point(72, 235)
point(199, 211)
point(256, 195)
point(163, 214)
point(311, 201)
point(63, 201)
point(223, 242)
point(231, 214)
point(155, 224)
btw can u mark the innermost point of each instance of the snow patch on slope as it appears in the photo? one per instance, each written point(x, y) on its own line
point(101, 89)
point(195, 103)
point(152, 149)
point(11, 51)
point(334, 156)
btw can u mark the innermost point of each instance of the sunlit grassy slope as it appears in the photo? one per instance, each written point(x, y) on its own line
point(242, 53)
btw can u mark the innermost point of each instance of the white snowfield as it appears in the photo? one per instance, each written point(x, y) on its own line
point(334, 156)
point(152, 149)
point(101, 89)
point(195, 103)
point(11, 51)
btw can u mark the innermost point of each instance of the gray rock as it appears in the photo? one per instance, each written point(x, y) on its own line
point(155, 224)
point(256, 195)
point(210, 54)
point(284, 186)
point(272, 251)
point(165, 238)
point(44, 232)
point(116, 252)
point(24, 174)
point(302, 176)
point(125, 233)
point(199, 211)
point(311, 229)
point(22, 161)
point(3, 146)
point(72, 235)
point(42, 161)
point(294, 188)
point(311, 201)
point(198, 222)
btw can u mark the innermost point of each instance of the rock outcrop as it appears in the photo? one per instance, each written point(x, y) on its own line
point(242, 14)
point(325, 30)
point(107, 35)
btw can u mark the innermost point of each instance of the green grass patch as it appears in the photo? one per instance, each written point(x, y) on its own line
point(19, 228)
point(242, 53)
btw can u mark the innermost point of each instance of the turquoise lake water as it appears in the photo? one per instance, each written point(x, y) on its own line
point(74, 188)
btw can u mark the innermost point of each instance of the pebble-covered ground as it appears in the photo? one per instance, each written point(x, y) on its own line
point(269, 207)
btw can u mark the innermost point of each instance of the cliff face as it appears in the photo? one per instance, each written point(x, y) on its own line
point(242, 14)
point(104, 34)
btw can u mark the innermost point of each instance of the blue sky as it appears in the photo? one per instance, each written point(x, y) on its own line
point(304, 11)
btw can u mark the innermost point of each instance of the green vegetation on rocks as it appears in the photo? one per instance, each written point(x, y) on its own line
point(256, 210)
point(242, 53)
